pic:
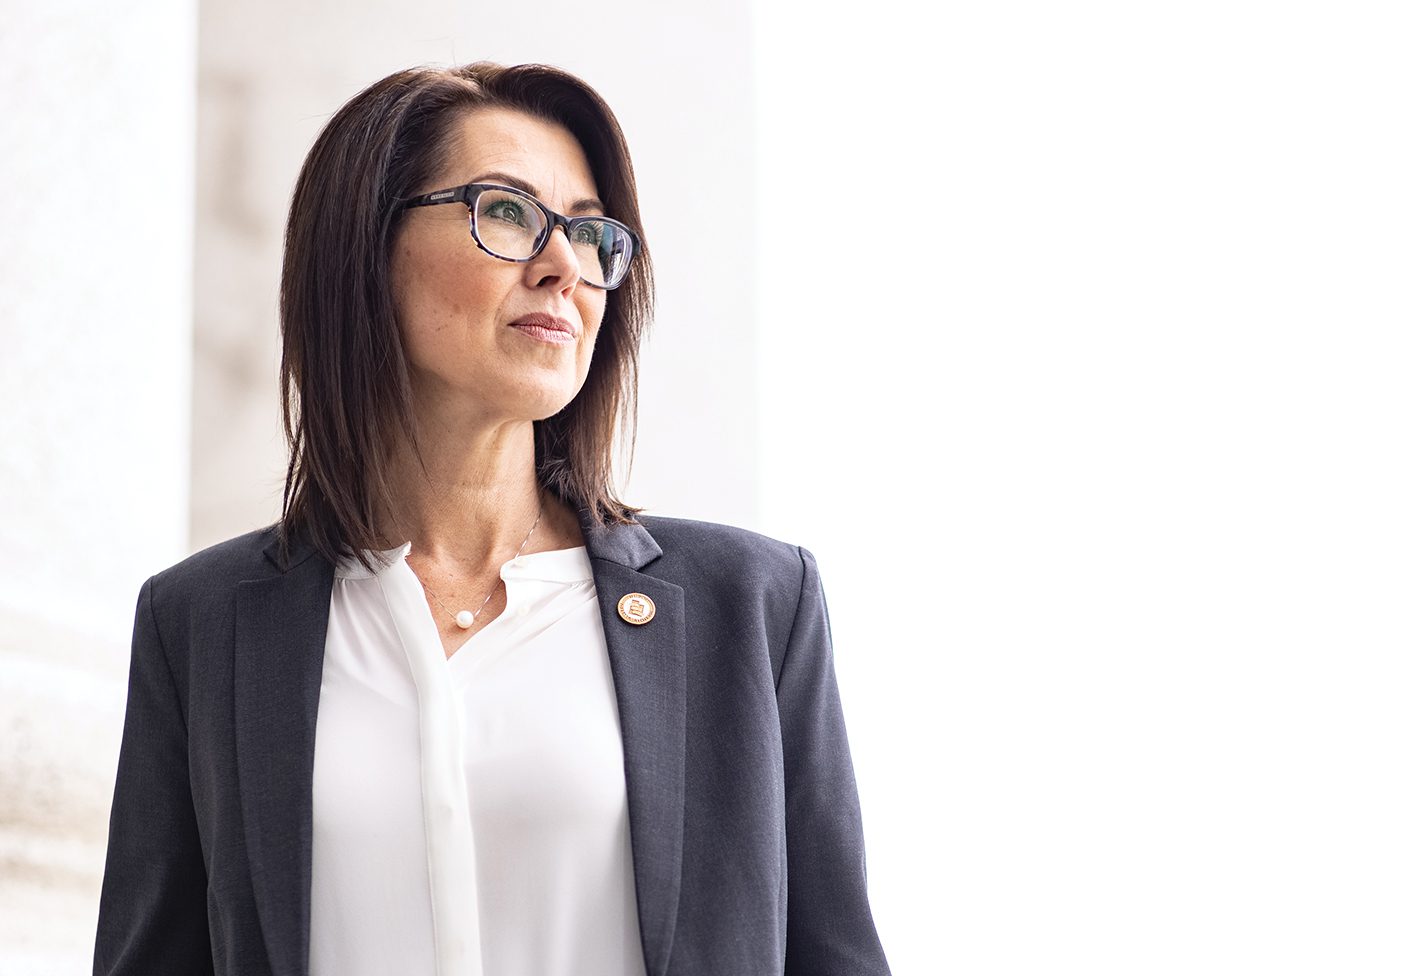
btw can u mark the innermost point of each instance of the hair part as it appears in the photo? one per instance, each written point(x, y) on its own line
point(344, 382)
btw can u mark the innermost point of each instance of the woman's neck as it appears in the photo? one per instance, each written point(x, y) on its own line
point(475, 501)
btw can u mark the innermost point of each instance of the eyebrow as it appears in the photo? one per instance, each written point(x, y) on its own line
point(587, 203)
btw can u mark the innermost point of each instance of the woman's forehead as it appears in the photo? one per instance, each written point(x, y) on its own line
point(543, 156)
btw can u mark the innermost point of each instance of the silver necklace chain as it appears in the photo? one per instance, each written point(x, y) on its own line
point(464, 618)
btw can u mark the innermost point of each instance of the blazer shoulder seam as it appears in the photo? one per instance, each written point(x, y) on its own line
point(165, 657)
point(799, 602)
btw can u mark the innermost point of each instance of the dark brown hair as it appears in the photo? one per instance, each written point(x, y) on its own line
point(344, 383)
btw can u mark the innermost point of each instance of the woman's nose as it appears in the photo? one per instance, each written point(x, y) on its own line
point(557, 259)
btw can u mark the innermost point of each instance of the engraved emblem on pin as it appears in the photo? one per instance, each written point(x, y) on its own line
point(635, 608)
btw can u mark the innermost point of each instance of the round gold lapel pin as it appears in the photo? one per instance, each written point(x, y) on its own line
point(635, 608)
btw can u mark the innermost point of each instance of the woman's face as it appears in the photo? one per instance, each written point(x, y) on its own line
point(455, 302)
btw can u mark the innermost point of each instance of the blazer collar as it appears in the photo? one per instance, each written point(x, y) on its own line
point(279, 641)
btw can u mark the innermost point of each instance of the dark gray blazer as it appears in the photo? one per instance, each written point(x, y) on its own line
point(743, 808)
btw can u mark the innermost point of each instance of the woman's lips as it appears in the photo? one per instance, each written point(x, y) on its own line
point(545, 327)
point(556, 336)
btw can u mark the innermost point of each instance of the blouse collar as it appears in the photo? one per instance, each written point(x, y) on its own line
point(549, 565)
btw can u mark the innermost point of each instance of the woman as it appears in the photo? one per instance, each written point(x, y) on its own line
point(462, 711)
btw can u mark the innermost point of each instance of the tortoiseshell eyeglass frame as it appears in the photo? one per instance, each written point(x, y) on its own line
point(468, 194)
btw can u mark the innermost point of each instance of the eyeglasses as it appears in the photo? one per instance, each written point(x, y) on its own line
point(515, 226)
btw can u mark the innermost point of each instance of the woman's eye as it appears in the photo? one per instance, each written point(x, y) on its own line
point(589, 234)
point(507, 210)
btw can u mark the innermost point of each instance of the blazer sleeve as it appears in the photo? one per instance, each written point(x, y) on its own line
point(830, 929)
point(152, 911)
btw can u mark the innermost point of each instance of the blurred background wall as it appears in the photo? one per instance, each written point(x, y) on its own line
point(1067, 337)
point(97, 213)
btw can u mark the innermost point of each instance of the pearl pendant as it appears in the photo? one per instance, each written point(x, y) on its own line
point(464, 619)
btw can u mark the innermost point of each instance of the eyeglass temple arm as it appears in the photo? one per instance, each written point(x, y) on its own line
point(457, 195)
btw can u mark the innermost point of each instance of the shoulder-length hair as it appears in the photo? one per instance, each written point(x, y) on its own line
point(344, 384)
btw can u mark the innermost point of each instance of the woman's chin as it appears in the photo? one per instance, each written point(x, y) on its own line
point(534, 397)
point(543, 406)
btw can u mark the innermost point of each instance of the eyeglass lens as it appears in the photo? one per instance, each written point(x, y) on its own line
point(512, 226)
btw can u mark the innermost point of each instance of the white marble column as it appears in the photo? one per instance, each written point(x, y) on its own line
point(96, 202)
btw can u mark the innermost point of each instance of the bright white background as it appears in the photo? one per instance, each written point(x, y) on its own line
point(1081, 375)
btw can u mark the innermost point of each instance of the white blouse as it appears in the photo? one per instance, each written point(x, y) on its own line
point(469, 816)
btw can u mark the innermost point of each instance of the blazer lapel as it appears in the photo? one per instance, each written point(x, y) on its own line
point(279, 640)
point(649, 665)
